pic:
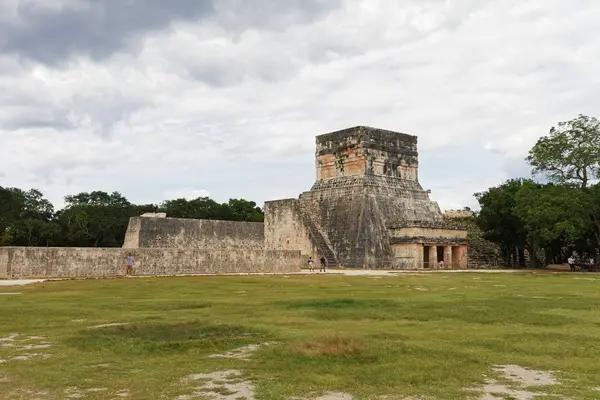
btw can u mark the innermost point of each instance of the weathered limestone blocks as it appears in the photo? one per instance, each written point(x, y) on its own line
point(286, 229)
point(181, 233)
point(367, 207)
point(72, 262)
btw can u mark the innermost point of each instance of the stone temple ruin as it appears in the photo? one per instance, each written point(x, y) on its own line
point(366, 208)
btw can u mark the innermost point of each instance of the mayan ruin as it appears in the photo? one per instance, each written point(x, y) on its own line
point(367, 207)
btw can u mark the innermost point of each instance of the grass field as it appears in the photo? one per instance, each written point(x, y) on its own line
point(408, 336)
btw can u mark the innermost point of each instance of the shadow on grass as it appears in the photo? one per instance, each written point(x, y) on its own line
point(507, 310)
point(165, 306)
point(338, 304)
point(159, 338)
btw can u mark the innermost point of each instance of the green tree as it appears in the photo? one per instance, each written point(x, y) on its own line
point(556, 218)
point(499, 221)
point(570, 153)
point(206, 208)
point(594, 210)
point(199, 208)
point(244, 210)
point(95, 219)
point(26, 218)
point(35, 232)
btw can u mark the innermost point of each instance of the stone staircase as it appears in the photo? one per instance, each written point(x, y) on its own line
point(310, 215)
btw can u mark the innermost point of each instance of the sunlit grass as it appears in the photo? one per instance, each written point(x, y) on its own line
point(431, 335)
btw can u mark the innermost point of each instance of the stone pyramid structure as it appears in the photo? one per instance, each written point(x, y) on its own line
point(366, 208)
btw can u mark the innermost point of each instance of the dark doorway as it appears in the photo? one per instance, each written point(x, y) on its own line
point(426, 257)
point(440, 254)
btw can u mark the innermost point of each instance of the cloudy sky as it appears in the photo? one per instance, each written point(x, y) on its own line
point(160, 99)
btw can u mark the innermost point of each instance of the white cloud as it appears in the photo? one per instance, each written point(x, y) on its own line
point(186, 193)
point(230, 101)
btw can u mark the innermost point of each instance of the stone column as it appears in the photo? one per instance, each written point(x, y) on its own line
point(433, 256)
point(464, 260)
point(447, 256)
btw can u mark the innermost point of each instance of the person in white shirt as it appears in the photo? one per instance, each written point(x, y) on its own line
point(130, 264)
point(571, 262)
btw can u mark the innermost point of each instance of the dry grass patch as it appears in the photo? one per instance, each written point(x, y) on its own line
point(331, 346)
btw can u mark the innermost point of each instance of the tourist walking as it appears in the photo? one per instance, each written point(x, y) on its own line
point(571, 262)
point(311, 268)
point(323, 267)
point(130, 263)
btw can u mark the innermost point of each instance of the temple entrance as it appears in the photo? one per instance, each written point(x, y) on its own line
point(426, 257)
point(440, 255)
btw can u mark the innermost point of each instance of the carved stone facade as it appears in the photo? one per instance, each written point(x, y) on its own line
point(366, 208)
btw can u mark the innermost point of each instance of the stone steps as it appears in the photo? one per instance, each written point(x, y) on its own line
point(310, 217)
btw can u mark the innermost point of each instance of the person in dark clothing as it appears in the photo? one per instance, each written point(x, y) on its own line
point(323, 267)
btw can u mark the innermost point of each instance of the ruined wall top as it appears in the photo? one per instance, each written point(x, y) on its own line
point(366, 151)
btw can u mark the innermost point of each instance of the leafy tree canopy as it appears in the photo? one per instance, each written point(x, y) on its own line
point(570, 154)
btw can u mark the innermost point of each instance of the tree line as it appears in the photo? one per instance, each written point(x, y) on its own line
point(97, 219)
point(553, 217)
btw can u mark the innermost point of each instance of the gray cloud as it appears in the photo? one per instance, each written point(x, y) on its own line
point(238, 15)
point(226, 98)
point(96, 28)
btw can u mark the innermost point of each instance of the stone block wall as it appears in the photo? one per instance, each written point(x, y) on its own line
point(285, 228)
point(407, 256)
point(71, 262)
point(363, 150)
point(180, 233)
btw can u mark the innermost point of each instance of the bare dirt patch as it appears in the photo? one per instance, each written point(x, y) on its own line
point(519, 380)
point(335, 396)
point(20, 345)
point(242, 353)
point(527, 377)
point(108, 325)
point(220, 385)
point(19, 282)
point(74, 392)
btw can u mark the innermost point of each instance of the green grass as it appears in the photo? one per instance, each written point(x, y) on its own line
point(409, 335)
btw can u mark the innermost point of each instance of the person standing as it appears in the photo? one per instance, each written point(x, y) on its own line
point(130, 263)
point(323, 267)
point(311, 268)
point(571, 262)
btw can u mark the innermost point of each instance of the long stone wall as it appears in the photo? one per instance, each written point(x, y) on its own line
point(284, 228)
point(71, 262)
point(179, 233)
